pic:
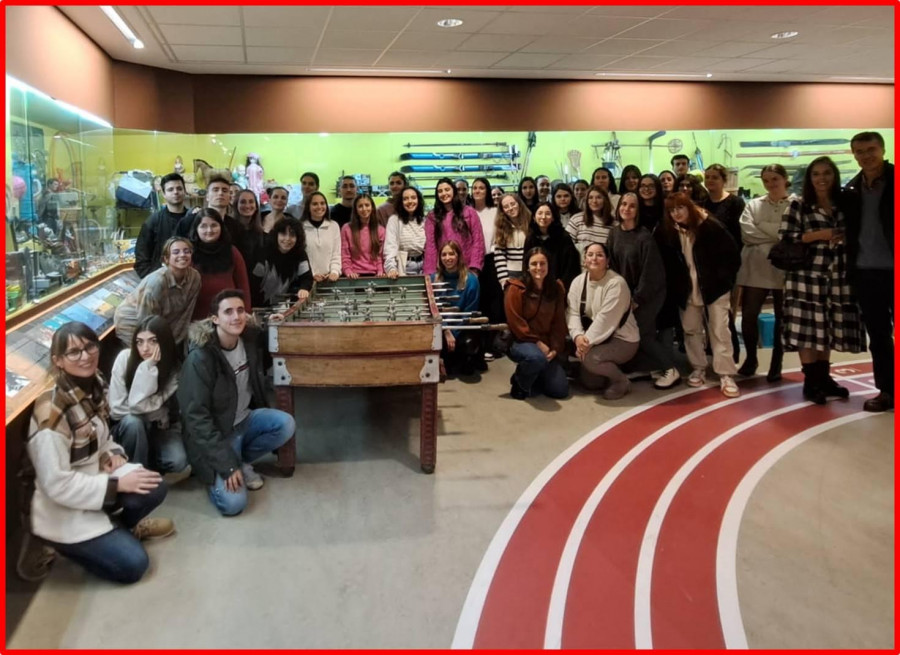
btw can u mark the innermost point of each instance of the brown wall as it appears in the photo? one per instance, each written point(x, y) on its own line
point(69, 66)
point(153, 98)
point(298, 104)
point(45, 50)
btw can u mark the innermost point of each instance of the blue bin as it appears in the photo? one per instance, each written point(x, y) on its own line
point(766, 324)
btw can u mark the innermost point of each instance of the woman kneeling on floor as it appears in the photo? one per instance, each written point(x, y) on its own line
point(143, 409)
point(460, 350)
point(536, 314)
point(601, 324)
point(75, 461)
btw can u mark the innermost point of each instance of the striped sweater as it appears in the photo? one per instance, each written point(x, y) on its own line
point(508, 259)
point(583, 235)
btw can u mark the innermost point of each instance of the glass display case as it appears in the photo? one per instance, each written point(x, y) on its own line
point(60, 221)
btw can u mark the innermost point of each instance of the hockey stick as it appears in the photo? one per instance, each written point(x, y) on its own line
point(654, 137)
point(793, 142)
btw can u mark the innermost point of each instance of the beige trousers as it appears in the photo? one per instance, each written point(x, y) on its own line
point(696, 326)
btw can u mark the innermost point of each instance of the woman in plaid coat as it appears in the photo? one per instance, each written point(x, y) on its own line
point(820, 311)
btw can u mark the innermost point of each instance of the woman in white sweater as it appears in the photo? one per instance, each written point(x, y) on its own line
point(79, 485)
point(601, 324)
point(323, 238)
point(404, 238)
point(144, 413)
point(760, 223)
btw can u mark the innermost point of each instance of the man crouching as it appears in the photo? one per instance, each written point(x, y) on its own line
point(223, 404)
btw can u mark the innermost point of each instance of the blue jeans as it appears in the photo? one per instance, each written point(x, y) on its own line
point(258, 434)
point(535, 374)
point(136, 435)
point(117, 555)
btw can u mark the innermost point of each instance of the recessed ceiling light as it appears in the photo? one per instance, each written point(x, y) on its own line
point(449, 22)
point(785, 35)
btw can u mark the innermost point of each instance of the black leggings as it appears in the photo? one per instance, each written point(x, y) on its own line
point(752, 299)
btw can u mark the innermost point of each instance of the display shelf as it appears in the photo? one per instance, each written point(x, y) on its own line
point(30, 331)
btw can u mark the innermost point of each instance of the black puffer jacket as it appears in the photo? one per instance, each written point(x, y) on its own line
point(207, 394)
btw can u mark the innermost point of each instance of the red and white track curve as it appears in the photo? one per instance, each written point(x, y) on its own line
point(628, 539)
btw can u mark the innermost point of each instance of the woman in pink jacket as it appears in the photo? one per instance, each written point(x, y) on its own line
point(450, 220)
point(362, 241)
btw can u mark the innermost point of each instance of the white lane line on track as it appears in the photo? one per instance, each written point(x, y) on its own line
point(726, 550)
point(556, 611)
point(474, 603)
point(643, 629)
point(470, 615)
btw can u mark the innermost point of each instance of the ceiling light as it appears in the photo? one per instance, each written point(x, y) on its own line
point(785, 35)
point(413, 71)
point(652, 75)
point(120, 23)
point(449, 22)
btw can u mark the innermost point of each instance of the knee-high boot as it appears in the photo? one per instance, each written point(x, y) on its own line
point(812, 383)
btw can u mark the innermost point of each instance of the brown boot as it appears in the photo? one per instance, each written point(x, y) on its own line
point(153, 529)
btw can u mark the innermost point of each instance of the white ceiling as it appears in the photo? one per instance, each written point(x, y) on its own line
point(835, 44)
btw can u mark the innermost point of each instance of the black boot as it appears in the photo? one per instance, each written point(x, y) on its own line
point(774, 374)
point(829, 384)
point(812, 383)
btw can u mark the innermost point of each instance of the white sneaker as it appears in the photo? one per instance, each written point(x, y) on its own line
point(697, 378)
point(252, 479)
point(668, 379)
point(729, 387)
point(655, 375)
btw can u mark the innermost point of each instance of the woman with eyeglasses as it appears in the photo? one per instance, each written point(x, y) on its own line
point(170, 291)
point(85, 505)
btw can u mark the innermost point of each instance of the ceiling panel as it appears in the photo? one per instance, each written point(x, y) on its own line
point(408, 59)
point(288, 37)
point(583, 62)
point(439, 41)
point(526, 60)
point(733, 49)
point(347, 57)
point(196, 15)
point(189, 35)
point(530, 23)
point(473, 21)
point(256, 55)
point(357, 39)
point(622, 46)
point(497, 42)
point(373, 18)
point(208, 53)
point(300, 17)
point(469, 59)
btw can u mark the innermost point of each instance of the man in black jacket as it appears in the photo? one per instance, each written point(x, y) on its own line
point(160, 226)
point(222, 399)
point(869, 210)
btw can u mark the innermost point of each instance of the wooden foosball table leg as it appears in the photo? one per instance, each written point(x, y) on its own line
point(287, 454)
point(428, 431)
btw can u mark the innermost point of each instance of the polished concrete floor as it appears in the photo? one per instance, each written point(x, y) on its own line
point(360, 549)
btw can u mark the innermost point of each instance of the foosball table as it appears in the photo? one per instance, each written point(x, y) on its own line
point(367, 332)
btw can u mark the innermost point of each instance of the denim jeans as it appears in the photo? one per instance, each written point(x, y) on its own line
point(139, 437)
point(258, 434)
point(535, 374)
point(117, 555)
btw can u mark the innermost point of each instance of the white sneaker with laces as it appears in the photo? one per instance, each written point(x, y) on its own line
point(252, 479)
point(697, 378)
point(668, 379)
point(729, 387)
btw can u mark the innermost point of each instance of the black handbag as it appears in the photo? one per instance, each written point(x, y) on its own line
point(791, 255)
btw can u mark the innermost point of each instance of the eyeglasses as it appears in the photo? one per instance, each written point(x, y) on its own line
point(75, 354)
point(185, 251)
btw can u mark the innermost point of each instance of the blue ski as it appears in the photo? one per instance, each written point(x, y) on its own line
point(472, 168)
point(793, 142)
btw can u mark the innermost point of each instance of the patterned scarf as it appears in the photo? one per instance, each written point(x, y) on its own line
point(67, 409)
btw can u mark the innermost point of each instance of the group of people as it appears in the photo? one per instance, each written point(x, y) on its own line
point(589, 278)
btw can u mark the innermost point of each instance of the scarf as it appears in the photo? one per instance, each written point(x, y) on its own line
point(213, 257)
point(68, 409)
